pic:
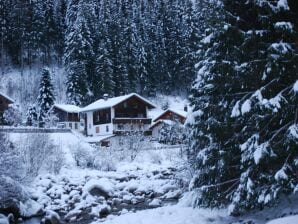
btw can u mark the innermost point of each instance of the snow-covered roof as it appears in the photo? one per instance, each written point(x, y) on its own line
point(169, 122)
point(181, 113)
point(111, 102)
point(68, 108)
point(7, 97)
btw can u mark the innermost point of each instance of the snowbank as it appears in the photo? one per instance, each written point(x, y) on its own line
point(285, 220)
point(168, 215)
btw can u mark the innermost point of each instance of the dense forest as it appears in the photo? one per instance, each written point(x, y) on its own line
point(236, 59)
point(105, 46)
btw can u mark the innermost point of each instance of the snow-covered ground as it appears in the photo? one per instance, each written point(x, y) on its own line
point(151, 188)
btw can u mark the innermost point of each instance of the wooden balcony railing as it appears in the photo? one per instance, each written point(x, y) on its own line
point(132, 121)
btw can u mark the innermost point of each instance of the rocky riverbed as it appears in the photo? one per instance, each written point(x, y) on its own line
point(83, 196)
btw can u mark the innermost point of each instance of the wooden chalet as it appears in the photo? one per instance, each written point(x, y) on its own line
point(168, 117)
point(118, 115)
point(5, 101)
point(68, 116)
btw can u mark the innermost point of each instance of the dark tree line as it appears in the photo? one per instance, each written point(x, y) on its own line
point(112, 47)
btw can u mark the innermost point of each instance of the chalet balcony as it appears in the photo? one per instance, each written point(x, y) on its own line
point(132, 121)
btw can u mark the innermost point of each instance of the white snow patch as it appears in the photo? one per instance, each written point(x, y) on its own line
point(281, 175)
point(295, 87)
point(207, 39)
point(236, 111)
point(246, 107)
point(260, 152)
point(168, 215)
point(286, 220)
point(284, 26)
point(283, 4)
point(293, 131)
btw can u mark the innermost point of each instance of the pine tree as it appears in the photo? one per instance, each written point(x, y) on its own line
point(268, 111)
point(79, 56)
point(46, 97)
point(212, 153)
point(50, 30)
point(244, 121)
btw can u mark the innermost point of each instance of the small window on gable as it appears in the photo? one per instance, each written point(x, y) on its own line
point(125, 104)
point(107, 128)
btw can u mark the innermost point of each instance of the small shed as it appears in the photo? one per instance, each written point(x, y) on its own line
point(5, 101)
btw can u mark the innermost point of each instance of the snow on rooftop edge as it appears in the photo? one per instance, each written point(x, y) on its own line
point(68, 108)
point(7, 97)
point(176, 111)
point(111, 102)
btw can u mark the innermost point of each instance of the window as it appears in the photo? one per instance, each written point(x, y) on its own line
point(102, 116)
point(97, 129)
point(70, 125)
point(76, 125)
point(107, 128)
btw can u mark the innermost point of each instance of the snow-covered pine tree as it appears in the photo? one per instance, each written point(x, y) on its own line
point(213, 154)
point(131, 41)
point(104, 69)
point(46, 97)
point(245, 108)
point(50, 32)
point(32, 115)
point(268, 110)
point(104, 61)
point(79, 54)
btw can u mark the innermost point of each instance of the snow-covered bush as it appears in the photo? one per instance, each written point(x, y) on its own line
point(26, 158)
point(9, 159)
point(172, 133)
point(83, 155)
point(106, 160)
point(55, 160)
point(130, 144)
point(51, 119)
point(13, 115)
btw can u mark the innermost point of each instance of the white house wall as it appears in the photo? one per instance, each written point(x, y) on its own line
point(104, 129)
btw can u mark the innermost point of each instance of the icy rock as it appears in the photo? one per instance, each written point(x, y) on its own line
point(102, 187)
point(72, 215)
point(155, 202)
point(11, 195)
point(6, 220)
point(173, 194)
point(101, 211)
point(51, 218)
point(30, 209)
point(116, 201)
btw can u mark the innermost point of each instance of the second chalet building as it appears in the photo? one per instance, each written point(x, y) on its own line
point(117, 115)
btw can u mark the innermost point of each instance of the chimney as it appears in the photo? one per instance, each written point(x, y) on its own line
point(185, 108)
point(105, 96)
